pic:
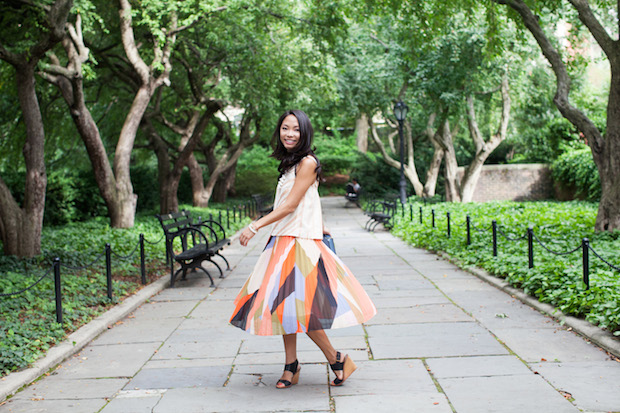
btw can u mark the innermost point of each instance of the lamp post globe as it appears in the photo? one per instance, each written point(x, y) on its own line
point(400, 112)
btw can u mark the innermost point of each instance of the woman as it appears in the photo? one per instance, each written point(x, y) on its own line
point(298, 284)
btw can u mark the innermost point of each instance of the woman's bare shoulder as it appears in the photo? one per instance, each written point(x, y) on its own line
point(307, 165)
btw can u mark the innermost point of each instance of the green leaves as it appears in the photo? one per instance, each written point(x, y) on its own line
point(575, 169)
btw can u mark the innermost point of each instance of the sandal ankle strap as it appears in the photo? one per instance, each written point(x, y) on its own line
point(338, 365)
point(291, 367)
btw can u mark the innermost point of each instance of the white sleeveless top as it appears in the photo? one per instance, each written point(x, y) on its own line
point(307, 219)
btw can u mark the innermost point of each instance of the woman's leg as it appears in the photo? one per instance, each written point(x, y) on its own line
point(320, 339)
point(290, 353)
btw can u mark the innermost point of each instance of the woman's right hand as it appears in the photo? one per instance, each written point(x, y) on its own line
point(245, 236)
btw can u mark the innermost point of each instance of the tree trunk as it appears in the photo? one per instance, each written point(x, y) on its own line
point(70, 82)
point(361, 132)
point(196, 178)
point(127, 200)
point(432, 174)
point(483, 149)
point(223, 185)
point(22, 227)
point(229, 159)
point(608, 162)
point(409, 169)
point(452, 184)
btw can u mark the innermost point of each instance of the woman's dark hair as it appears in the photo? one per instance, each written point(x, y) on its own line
point(304, 148)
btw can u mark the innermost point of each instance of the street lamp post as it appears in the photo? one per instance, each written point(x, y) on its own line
point(400, 112)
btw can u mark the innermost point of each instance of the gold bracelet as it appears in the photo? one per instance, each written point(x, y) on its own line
point(251, 228)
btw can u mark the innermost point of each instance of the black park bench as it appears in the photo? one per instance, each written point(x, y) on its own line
point(189, 244)
point(264, 203)
point(351, 195)
point(380, 212)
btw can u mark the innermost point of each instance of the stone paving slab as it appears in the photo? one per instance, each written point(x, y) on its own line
point(115, 360)
point(186, 363)
point(419, 403)
point(139, 401)
point(131, 330)
point(404, 302)
point(505, 394)
point(184, 350)
point(461, 284)
point(180, 293)
point(594, 385)
point(401, 282)
point(54, 406)
point(164, 309)
point(429, 313)
point(435, 273)
point(477, 366)
point(547, 344)
point(179, 377)
point(431, 340)
point(57, 388)
point(388, 378)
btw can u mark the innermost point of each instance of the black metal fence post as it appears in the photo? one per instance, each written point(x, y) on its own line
point(433, 214)
point(402, 210)
point(530, 247)
point(410, 212)
point(108, 268)
point(448, 222)
point(142, 261)
point(494, 224)
point(58, 290)
point(468, 222)
point(227, 218)
point(585, 248)
point(420, 215)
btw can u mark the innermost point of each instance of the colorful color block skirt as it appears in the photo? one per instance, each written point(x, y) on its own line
point(300, 285)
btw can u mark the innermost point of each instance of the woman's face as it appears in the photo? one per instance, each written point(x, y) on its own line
point(289, 132)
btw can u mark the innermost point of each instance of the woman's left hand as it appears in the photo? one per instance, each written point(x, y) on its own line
point(245, 236)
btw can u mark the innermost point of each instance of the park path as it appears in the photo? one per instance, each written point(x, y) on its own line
point(443, 341)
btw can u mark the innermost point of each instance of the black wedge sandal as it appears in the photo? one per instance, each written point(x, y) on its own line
point(346, 365)
point(293, 368)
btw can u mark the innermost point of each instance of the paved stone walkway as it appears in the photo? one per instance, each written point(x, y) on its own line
point(443, 341)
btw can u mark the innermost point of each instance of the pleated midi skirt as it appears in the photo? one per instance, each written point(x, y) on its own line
point(300, 285)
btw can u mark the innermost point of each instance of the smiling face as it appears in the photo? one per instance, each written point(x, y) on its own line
point(289, 132)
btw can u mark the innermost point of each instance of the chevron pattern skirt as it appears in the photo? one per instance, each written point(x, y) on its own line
point(300, 285)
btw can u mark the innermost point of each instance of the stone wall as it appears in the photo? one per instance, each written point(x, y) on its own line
point(513, 182)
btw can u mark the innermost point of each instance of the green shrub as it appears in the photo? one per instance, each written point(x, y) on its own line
point(375, 176)
point(337, 154)
point(576, 169)
point(257, 172)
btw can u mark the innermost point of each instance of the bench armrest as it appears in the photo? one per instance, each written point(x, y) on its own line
point(190, 237)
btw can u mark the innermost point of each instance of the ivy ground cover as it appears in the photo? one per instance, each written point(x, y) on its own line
point(28, 326)
point(557, 275)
